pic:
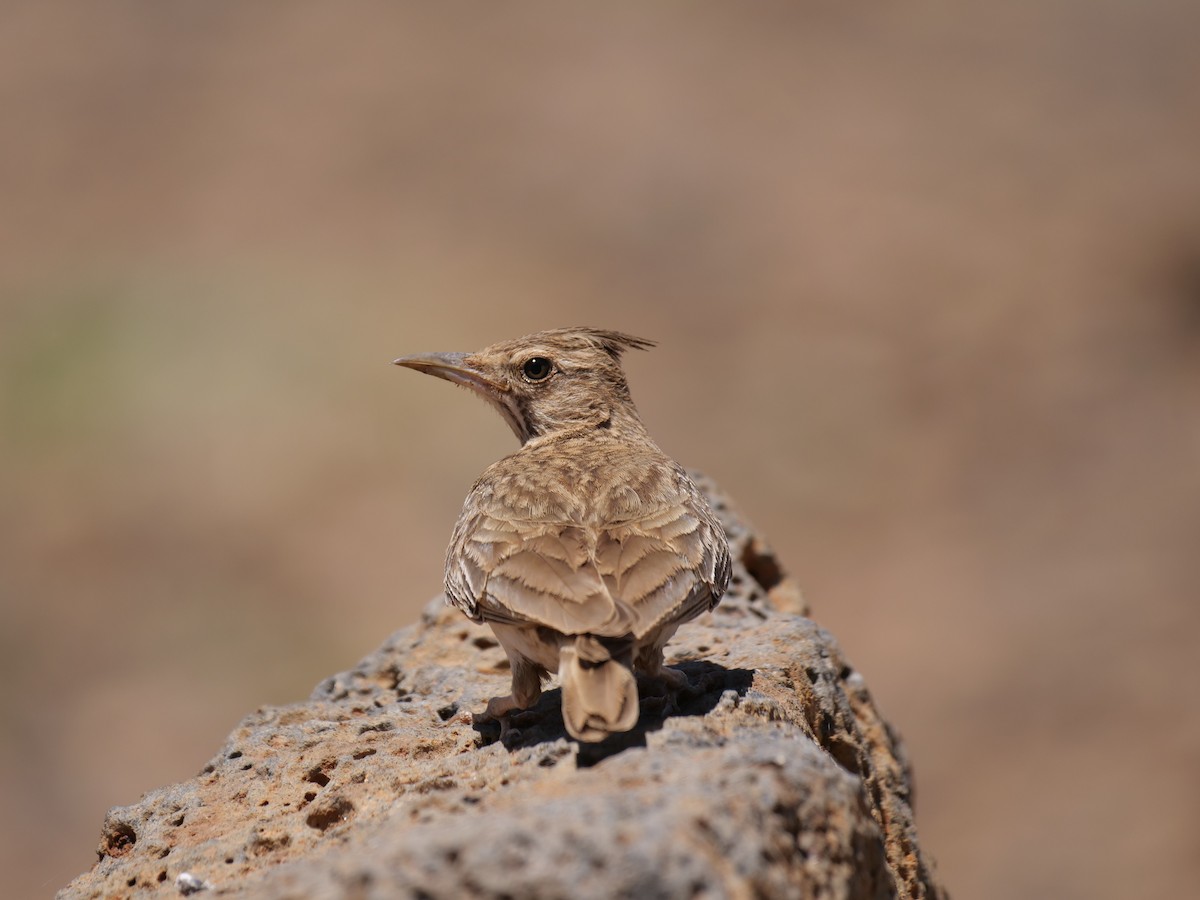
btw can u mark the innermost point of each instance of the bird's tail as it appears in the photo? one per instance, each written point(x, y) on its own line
point(599, 691)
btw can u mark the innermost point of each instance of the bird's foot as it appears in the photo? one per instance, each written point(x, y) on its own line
point(667, 681)
point(675, 679)
point(511, 715)
point(499, 707)
point(662, 690)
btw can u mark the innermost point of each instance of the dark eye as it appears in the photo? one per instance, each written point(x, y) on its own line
point(537, 368)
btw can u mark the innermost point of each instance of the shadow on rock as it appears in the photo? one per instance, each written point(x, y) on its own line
point(542, 723)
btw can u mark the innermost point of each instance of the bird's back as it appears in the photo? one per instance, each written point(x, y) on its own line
point(587, 533)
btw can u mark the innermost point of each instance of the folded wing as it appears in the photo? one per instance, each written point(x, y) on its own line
point(666, 565)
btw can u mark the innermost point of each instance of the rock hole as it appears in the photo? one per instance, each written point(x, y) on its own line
point(827, 726)
point(338, 810)
point(437, 783)
point(813, 675)
point(132, 881)
point(762, 565)
point(177, 821)
point(317, 777)
point(119, 838)
point(229, 860)
point(236, 754)
point(483, 642)
point(310, 796)
point(845, 672)
point(262, 844)
point(845, 754)
point(162, 876)
point(446, 713)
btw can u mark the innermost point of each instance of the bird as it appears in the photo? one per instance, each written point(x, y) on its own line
point(586, 548)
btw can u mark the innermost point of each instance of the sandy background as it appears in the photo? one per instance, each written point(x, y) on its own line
point(927, 285)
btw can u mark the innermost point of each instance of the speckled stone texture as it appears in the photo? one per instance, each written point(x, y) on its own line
point(775, 776)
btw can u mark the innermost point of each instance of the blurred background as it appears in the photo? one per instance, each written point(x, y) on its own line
point(926, 282)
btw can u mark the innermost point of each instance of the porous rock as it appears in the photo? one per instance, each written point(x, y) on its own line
point(775, 776)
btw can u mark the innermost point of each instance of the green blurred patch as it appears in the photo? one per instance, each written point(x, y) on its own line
point(63, 370)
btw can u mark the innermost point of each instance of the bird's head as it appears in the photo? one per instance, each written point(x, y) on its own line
point(547, 382)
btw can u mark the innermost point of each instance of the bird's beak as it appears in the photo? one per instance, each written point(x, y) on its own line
point(454, 367)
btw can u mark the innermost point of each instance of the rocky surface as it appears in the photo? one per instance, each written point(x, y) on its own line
point(774, 777)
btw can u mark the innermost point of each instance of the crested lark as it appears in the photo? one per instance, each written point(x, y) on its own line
point(587, 548)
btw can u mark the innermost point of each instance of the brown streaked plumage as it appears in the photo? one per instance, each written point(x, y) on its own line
point(587, 548)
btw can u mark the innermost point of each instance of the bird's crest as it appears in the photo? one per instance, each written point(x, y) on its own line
point(613, 342)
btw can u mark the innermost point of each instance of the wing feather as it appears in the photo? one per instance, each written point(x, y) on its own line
point(665, 560)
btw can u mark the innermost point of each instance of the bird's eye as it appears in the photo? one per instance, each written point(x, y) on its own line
point(537, 368)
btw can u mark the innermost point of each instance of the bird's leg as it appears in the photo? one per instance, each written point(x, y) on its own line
point(650, 664)
point(526, 688)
